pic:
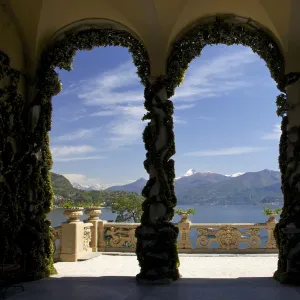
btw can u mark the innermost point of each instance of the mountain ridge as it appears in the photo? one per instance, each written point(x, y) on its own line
point(64, 191)
point(213, 188)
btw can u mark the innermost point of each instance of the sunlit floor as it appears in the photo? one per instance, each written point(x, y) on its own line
point(213, 277)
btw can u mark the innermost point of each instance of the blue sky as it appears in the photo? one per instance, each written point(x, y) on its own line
point(225, 118)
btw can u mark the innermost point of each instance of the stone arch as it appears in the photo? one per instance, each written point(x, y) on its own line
point(223, 29)
point(91, 23)
point(229, 30)
point(87, 34)
point(59, 53)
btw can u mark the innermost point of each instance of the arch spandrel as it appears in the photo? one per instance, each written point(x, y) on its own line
point(64, 16)
point(80, 25)
point(10, 41)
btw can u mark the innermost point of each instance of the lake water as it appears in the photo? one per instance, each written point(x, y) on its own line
point(204, 214)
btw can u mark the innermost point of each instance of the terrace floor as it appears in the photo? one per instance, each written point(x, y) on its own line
point(205, 277)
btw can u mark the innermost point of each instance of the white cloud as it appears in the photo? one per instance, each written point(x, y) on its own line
point(67, 150)
point(125, 132)
point(105, 113)
point(66, 153)
point(86, 181)
point(216, 76)
point(184, 106)
point(64, 159)
point(178, 120)
point(226, 151)
point(78, 134)
point(274, 135)
point(106, 89)
point(78, 178)
point(69, 114)
point(118, 93)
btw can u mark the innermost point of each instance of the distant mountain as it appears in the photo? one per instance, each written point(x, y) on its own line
point(60, 180)
point(93, 187)
point(187, 183)
point(189, 172)
point(249, 188)
point(212, 188)
point(135, 187)
point(64, 191)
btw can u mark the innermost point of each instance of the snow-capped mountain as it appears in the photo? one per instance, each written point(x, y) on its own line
point(189, 172)
point(235, 174)
point(92, 187)
point(210, 187)
point(192, 172)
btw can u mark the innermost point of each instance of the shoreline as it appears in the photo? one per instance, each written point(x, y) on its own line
point(179, 204)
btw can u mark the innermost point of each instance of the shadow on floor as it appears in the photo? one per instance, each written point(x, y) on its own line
point(126, 288)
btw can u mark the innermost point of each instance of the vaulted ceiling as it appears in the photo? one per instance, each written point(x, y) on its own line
point(157, 23)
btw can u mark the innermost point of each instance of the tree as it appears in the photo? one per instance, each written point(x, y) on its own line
point(128, 208)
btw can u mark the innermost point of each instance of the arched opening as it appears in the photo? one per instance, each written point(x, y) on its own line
point(230, 30)
point(47, 84)
point(96, 124)
point(226, 148)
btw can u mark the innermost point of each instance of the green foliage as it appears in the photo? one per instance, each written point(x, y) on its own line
point(65, 192)
point(268, 211)
point(23, 225)
point(189, 211)
point(281, 103)
point(157, 238)
point(128, 208)
point(289, 180)
point(69, 205)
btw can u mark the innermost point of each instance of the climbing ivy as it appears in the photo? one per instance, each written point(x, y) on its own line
point(12, 186)
point(156, 236)
point(290, 178)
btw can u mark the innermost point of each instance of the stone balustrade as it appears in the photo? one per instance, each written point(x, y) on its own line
point(75, 237)
point(78, 239)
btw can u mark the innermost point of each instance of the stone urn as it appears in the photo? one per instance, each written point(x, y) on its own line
point(73, 214)
point(93, 212)
point(184, 217)
point(272, 218)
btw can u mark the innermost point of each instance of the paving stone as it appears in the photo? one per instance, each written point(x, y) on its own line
point(112, 277)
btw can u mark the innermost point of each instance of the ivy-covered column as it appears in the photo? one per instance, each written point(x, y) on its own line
point(287, 231)
point(37, 237)
point(156, 236)
point(12, 184)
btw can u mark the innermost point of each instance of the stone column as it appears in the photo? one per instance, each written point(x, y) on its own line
point(93, 213)
point(76, 236)
point(290, 167)
point(101, 238)
point(184, 243)
point(12, 169)
point(270, 225)
point(156, 236)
